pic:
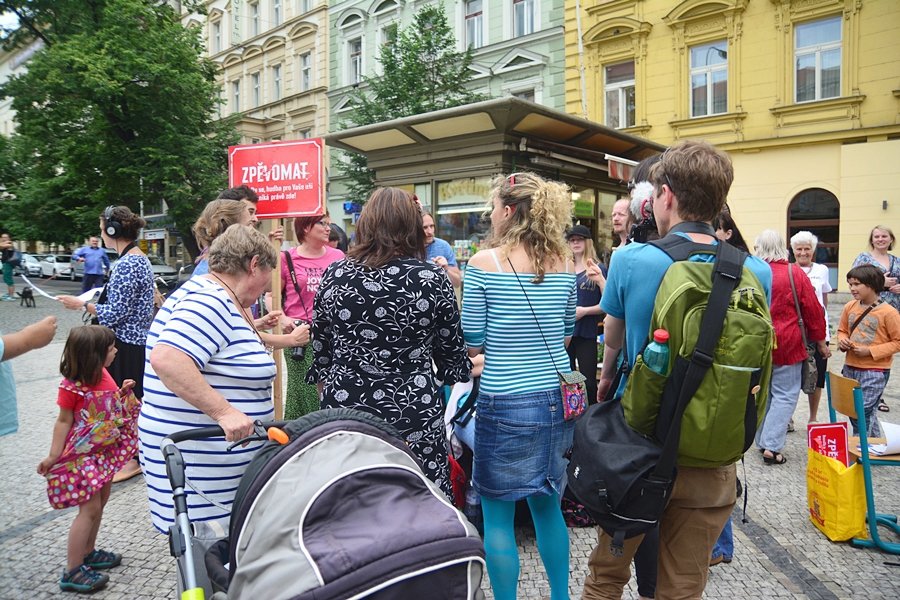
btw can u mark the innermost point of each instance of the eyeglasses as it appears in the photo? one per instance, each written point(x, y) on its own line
point(324, 223)
point(664, 174)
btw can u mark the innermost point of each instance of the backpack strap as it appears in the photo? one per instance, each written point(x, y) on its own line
point(727, 272)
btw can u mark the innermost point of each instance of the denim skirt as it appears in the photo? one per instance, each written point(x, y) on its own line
point(520, 445)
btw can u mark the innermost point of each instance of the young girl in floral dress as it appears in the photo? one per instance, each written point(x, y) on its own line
point(94, 435)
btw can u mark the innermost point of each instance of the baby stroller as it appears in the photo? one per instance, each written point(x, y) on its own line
point(338, 509)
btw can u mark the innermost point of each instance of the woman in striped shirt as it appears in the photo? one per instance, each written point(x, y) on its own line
point(519, 308)
point(207, 365)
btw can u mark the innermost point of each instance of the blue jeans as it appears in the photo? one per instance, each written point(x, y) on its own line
point(725, 544)
point(784, 389)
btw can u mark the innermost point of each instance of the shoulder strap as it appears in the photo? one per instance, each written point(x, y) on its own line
point(533, 314)
point(496, 260)
point(290, 263)
point(797, 304)
point(862, 316)
point(727, 272)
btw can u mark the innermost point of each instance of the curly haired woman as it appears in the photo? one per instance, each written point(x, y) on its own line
point(519, 306)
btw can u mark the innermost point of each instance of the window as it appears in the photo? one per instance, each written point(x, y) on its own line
point(354, 48)
point(254, 84)
point(305, 71)
point(305, 6)
point(276, 12)
point(474, 17)
point(619, 93)
point(216, 37)
point(255, 140)
point(523, 17)
point(525, 95)
point(817, 60)
point(253, 9)
point(236, 96)
point(389, 34)
point(304, 134)
point(276, 82)
point(709, 79)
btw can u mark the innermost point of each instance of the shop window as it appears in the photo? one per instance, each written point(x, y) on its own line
point(461, 216)
point(817, 210)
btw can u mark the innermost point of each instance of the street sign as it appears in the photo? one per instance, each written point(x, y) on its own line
point(288, 176)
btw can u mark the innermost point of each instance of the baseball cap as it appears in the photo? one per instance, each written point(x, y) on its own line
point(579, 231)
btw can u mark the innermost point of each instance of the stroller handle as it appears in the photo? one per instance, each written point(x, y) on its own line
point(201, 433)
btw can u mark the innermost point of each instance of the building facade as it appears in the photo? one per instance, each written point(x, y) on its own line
point(13, 62)
point(273, 57)
point(803, 94)
point(518, 51)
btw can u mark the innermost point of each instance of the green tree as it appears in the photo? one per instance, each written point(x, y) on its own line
point(421, 72)
point(118, 107)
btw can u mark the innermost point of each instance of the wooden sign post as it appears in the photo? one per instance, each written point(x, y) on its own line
point(289, 178)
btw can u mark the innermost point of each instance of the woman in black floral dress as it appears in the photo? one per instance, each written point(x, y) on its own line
point(380, 319)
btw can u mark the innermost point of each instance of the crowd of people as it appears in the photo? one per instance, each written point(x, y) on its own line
point(384, 324)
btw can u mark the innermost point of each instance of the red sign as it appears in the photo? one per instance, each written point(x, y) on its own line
point(288, 176)
point(830, 439)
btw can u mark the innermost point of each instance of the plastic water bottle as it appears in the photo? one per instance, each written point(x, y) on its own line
point(656, 354)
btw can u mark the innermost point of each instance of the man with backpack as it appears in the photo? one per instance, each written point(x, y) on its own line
point(691, 182)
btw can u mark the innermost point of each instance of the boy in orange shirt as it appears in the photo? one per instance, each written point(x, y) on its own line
point(869, 333)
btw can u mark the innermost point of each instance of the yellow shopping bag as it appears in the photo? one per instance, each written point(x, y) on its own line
point(836, 497)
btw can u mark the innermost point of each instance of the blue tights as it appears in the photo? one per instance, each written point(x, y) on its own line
point(502, 554)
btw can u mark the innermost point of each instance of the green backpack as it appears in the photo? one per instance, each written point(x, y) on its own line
point(721, 418)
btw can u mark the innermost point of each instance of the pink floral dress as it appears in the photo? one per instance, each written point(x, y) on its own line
point(102, 439)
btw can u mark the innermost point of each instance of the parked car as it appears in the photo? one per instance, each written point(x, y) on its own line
point(56, 265)
point(163, 271)
point(78, 271)
point(29, 266)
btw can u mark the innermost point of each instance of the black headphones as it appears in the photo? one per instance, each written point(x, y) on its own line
point(113, 227)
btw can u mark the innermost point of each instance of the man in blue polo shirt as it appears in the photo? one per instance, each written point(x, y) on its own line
point(440, 252)
point(691, 182)
point(96, 264)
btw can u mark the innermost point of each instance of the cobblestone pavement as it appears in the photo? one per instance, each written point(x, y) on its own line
point(778, 554)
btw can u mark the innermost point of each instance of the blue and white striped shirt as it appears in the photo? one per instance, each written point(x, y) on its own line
point(201, 320)
point(497, 316)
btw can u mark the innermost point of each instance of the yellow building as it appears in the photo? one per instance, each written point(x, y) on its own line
point(803, 94)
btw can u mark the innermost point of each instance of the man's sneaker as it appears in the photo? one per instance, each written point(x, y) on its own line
point(7, 298)
point(83, 580)
point(101, 559)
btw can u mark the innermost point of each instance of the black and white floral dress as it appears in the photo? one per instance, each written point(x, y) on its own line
point(376, 333)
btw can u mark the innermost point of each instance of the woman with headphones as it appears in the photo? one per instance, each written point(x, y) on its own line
point(126, 303)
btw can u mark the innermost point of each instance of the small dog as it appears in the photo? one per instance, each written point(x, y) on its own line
point(27, 295)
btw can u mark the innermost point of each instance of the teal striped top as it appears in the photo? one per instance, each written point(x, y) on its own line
point(496, 315)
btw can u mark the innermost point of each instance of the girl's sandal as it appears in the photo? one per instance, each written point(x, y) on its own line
point(883, 407)
point(777, 458)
